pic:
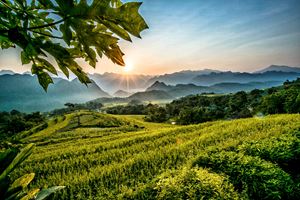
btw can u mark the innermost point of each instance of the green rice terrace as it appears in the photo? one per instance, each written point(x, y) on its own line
point(99, 156)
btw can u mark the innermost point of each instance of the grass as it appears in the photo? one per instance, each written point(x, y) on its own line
point(123, 157)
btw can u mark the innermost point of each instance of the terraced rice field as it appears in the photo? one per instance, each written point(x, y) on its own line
point(99, 156)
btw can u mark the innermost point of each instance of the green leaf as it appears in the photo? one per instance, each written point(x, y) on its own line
point(20, 183)
point(46, 3)
point(5, 43)
point(43, 77)
point(6, 157)
point(47, 65)
point(46, 192)
point(91, 56)
point(43, 14)
point(65, 5)
point(116, 3)
point(30, 50)
point(117, 30)
point(24, 153)
point(77, 70)
point(67, 32)
point(59, 53)
point(63, 68)
point(31, 194)
point(24, 58)
point(129, 18)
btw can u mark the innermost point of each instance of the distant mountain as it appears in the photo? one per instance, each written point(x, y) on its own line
point(151, 96)
point(3, 72)
point(22, 92)
point(181, 90)
point(122, 93)
point(59, 75)
point(113, 82)
point(182, 77)
point(159, 86)
point(279, 68)
point(237, 77)
point(236, 87)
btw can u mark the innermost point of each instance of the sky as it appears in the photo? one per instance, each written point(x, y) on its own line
point(236, 35)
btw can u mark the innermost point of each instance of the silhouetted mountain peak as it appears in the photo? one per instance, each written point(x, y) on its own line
point(157, 83)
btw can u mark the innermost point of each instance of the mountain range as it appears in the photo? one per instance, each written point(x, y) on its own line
point(182, 77)
point(181, 90)
point(22, 91)
point(279, 68)
point(237, 77)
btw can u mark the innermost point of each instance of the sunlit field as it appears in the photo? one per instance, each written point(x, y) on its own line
point(99, 156)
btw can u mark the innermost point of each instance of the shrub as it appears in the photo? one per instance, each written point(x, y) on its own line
point(258, 178)
point(195, 183)
point(283, 150)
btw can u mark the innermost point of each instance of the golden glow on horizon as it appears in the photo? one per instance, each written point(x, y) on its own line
point(128, 67)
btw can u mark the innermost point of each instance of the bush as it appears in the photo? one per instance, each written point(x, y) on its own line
point(283, 150)
point(258, 178)
point(194, 183)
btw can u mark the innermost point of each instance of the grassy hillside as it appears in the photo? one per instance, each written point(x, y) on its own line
point(122, 157)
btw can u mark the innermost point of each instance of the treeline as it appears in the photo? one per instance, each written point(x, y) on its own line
point(71, 107)
point(202, 108)
point(14, 122)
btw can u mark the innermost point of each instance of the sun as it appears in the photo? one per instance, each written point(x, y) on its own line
point(128, 67)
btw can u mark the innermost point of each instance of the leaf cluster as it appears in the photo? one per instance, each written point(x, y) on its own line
point(65, 30)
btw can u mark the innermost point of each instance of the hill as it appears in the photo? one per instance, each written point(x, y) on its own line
point(123, 157)
point(279, 68)
point(22, 92)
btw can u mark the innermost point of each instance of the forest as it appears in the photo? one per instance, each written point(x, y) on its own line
point(209, 107)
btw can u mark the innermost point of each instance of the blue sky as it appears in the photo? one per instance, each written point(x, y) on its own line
point(238, 35)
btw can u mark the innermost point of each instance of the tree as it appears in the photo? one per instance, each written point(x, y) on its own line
point(65, 30)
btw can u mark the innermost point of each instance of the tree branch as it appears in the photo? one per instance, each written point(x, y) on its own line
point(6, 5)
point(52, 36)
point(47, 25)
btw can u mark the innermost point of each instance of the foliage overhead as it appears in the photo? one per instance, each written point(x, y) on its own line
point(66, 30)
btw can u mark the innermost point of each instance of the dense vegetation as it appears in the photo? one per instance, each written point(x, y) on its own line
point(209, 107)
point(14, 122)
point(99, 156)
point(201, 108)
